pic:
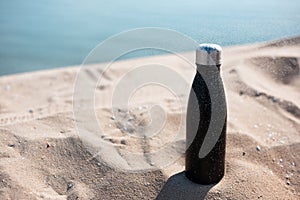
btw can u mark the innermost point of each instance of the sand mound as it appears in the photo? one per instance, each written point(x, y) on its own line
point(284, 42)
point(280, 69)
point(63, 168)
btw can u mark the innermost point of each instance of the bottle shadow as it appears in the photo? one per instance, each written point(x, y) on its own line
point(180, 187)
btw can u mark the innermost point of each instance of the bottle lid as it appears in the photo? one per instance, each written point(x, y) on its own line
point(208, 54)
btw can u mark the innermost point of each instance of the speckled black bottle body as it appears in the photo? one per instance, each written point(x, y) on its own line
point(210, 169)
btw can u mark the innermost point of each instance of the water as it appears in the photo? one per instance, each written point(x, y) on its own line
point(44, 34)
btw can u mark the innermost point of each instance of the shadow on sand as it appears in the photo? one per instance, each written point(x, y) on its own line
point(179, 187)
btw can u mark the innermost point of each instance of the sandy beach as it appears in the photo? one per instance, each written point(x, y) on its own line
point(42, 155)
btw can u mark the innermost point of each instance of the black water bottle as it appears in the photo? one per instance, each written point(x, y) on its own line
point(206, 119)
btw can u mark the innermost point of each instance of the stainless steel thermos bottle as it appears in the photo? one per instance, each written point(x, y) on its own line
point(206, 119)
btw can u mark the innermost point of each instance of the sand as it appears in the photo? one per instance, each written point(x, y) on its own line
point(44, 155)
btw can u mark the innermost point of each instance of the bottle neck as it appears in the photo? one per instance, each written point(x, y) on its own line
point(212, 70)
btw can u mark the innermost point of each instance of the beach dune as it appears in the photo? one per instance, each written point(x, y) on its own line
point(43, 156)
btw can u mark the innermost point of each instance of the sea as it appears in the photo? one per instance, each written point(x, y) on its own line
point(43, 34)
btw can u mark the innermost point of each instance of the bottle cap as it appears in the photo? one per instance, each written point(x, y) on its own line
point(208, 54)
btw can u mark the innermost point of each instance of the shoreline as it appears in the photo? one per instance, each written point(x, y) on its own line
point(247, 45)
